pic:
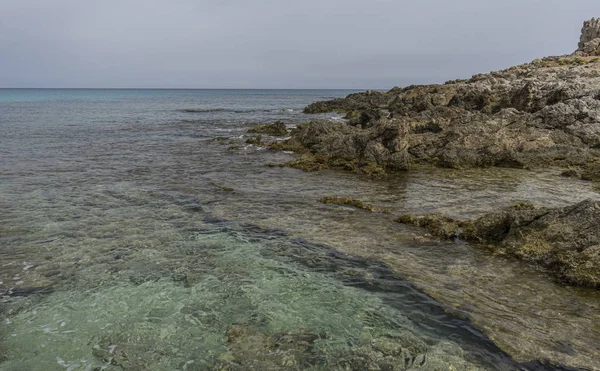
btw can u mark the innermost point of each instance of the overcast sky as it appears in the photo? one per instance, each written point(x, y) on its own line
point(276, 43)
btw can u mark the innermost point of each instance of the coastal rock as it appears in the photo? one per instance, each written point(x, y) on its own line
point(339, 145)
point(592, 172)
point(358, 101)
point(543, 113)
point(565, 240)
point(589, 43)
point(256, 141)
point(276, 129)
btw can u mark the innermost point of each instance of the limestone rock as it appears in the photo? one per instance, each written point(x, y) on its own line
point(544, 113)
point(277, 128)
point(539, 114)
point(589, 43)
point(564, 240)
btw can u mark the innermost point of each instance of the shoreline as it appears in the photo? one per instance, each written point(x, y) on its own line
point(540, 115)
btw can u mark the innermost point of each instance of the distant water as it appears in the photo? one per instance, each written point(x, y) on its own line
point(138, 228)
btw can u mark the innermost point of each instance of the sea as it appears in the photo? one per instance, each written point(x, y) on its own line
point(139, 231)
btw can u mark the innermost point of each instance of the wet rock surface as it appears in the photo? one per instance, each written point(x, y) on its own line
point(347, 201)
point(564, 240)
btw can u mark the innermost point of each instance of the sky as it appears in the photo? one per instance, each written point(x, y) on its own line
point(349, 44)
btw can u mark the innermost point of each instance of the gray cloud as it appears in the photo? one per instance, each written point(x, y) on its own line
point(276, 44)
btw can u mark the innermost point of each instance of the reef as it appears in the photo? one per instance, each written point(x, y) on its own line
point(566, 240)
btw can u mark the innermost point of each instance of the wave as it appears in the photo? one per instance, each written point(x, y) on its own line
point(205, 110)
point(209, 110)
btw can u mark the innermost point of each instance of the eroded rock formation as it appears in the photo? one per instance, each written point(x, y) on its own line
point(543, 113)
point(589, 44)
point(565, 240)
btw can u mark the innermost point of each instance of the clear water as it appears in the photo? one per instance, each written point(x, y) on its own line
point(120, 248)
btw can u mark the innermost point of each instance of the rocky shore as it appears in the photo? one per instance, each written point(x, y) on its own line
point(564, 240)
point(539, 114)
point(536, 115)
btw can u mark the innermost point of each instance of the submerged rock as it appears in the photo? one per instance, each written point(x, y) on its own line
point(352, 202)
point(564, 240)
point(251, 349)
point(256, 141)
point(27, 291)
point(275, 129)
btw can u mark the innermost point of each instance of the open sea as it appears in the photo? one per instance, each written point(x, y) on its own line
point(138, 231)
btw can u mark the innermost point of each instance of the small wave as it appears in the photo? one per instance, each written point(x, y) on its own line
point(253, 147)
point(209, 110)
point(205, 110)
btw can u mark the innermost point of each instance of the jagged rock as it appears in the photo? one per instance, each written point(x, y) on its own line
point(564, 240)
point(539, 114)
point(591, 172)
point(275, 129)
point(589, 43)
point(545, 113)
point(257, 141)
point(358, 101)
point(341, 145)
point(362, 119)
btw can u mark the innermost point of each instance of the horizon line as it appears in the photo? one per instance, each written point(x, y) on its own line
point(96, 88)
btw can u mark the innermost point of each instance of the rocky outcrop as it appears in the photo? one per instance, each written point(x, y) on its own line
point(357, 101)
point(589, 43)
point(564, 240)
point(276, 129)
point(544, 113)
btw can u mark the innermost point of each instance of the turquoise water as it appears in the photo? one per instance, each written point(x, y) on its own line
point(122, 247)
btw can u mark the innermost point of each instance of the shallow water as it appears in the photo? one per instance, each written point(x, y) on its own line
point(116, 202)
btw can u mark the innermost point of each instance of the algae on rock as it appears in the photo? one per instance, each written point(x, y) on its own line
point(352, 202)
point(275, 129)
point(564, 240)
